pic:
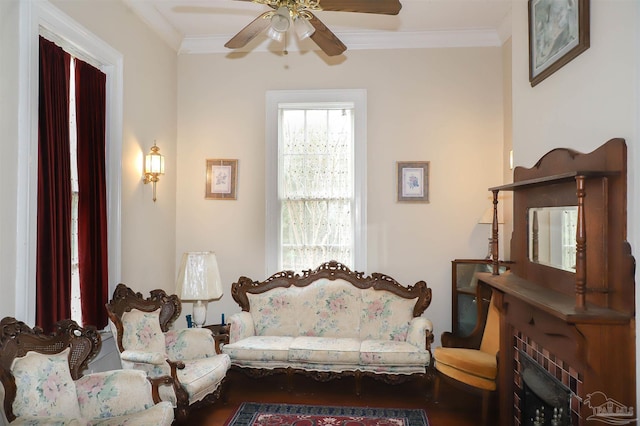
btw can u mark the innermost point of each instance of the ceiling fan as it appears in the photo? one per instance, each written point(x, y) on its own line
point(306, 24)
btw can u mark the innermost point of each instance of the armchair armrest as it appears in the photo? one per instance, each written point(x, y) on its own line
point(156, 382)
point(142, 357)
point(241, 326)
point(420, 333)
point(189, 343)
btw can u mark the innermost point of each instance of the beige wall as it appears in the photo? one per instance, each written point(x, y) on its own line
point(590, 100)
point(150, 93)
point(150, 103)
point(437, 105)
point(8, 151)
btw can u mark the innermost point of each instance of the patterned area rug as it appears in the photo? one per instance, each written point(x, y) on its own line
point(264, 414)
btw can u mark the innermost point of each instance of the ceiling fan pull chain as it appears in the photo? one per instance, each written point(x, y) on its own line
point(285, 51)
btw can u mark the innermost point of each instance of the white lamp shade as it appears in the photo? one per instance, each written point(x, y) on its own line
point(199, 277)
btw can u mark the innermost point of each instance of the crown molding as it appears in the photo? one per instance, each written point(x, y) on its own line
point(365, 40)
point(147, 12)
point(358, 41)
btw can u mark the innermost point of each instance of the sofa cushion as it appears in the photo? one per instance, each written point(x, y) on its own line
point(329, 308)
point(260, 348)
point(464, 377)
point(113, 393)
point(44, 386)
point(49, 421)
point(141, 331)
point(202, 376)
point(384, 315)
point(159, 414)
point(386, 352)
point(325, 350)
point(275, 312)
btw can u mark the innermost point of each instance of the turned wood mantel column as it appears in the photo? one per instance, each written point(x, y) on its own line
point(494, 235)
point(581, 247)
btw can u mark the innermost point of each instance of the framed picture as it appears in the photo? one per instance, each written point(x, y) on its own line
point(222, 179)
point(558, 32)
point(413, 181)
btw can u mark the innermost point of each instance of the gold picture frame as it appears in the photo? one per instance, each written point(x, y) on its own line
point(413, 181)
point(222, 179)
point(558, 33)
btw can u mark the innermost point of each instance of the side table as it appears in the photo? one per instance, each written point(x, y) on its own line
point(220, 334)
point(218, 329)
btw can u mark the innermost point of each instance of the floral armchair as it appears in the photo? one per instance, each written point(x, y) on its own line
point(43, 382)
point(191, 356)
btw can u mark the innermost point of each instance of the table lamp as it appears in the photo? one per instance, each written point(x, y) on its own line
point(199, 281)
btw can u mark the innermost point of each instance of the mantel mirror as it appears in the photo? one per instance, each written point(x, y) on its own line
point(552, 236)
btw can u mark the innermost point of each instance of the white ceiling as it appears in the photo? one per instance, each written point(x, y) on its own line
point(204, 26)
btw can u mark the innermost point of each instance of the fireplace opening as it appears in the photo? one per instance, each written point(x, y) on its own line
point(544, 400)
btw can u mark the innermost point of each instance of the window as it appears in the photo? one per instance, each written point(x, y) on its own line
point(316, 174)
point(42, 18)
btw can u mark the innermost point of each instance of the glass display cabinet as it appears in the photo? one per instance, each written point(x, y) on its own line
point(466, 293)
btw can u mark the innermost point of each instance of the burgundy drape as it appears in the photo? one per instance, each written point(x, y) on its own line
point(53, 264)
point(92, 199)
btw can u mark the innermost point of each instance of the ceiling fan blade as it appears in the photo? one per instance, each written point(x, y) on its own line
point(249, 32)
point(325, 39)
point(385, 7)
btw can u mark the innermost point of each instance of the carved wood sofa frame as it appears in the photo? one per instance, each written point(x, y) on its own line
point(334, 270)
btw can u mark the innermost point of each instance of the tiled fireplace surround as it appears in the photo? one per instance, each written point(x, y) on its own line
point(553, 365)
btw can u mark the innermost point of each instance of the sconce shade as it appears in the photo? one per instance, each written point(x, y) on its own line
point(154, 162)
point(199, 277)
point(153, 167)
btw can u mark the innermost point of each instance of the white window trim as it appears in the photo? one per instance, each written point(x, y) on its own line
point(273, 99)
point(38, 17)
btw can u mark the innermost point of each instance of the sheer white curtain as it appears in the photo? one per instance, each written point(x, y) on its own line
point(316, 187)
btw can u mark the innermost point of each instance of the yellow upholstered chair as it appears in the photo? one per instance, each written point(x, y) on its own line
point(475, 367)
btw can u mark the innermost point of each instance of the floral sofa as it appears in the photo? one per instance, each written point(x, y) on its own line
point(41, 375)
point(331, 322)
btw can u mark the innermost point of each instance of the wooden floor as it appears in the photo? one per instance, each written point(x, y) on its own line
point(455, 407)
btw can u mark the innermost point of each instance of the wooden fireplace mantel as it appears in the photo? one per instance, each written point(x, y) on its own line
point(554, 303)
point(586, 318)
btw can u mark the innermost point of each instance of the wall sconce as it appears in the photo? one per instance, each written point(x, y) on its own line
point(199, 281)
point(153, 167)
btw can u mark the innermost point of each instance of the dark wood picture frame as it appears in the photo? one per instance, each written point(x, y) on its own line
point(555, 41)
point(222, 179)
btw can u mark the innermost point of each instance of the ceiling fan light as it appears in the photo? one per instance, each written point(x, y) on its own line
point(280, 20)
point(303, 28)
point(275, 35)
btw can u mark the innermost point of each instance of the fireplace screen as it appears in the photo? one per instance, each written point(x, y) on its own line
point(544, 399)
